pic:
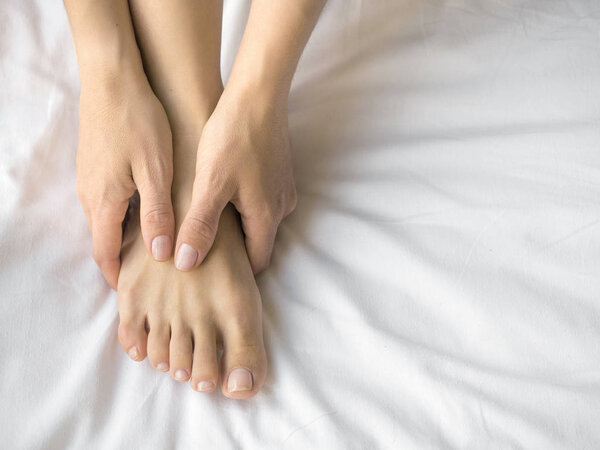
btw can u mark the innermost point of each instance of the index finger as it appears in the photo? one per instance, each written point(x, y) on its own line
point(107, 235)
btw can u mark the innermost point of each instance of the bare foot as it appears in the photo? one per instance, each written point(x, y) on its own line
point(180, 319)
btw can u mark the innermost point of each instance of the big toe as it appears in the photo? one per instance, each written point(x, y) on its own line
point(244, 361)
point(205, 370)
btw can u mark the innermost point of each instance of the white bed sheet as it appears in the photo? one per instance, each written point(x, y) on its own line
point(437, 287)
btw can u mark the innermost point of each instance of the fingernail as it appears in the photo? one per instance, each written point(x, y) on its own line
point(206, 386)
point(163, 366)
point(133, 353)
point(239, 380)
point(161, 247)
point(186, 257)
point(181, 374)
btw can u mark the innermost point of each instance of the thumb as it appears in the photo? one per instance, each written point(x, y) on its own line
point(199, 228)
point(157, 219)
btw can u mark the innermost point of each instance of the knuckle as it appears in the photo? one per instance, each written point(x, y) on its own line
point(152, 171)
point(210, 180)
point(158, 215)
point(200, 227)
point(105, 197)
point(271, 219)
point(267, 213)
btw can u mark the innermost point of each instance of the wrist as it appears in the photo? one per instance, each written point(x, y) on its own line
point(104, 41)
point(107, 65)
point(257, 75)
point(114, 79)
point(255, 93)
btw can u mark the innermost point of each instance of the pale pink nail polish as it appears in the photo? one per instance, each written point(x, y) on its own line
point(186, 257)
point(163, 366)
point(161, 247)
point(205, 386)
point(239, 380)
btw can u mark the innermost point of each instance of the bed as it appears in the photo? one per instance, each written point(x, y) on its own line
point(438, 285)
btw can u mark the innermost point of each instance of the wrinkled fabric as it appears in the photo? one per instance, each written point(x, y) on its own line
point(438, 285)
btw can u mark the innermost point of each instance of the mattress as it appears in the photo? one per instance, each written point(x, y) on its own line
point(438, 285)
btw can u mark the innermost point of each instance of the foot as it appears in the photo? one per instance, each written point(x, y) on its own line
point(181, 320)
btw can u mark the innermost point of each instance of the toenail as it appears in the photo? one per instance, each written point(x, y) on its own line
point(163, 366)
point(181, 374)
point(133, 352)
point(186, 257)
point(161, 246)
point(239, 380)
point(206, 386)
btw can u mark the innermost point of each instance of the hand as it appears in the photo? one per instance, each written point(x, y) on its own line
point(124, 144)
point(244, 158)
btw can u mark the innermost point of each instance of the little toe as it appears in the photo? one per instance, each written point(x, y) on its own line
point(205, 370)
point(244, 362)
point(158, 346)
point(133, 337)
point(180, 352)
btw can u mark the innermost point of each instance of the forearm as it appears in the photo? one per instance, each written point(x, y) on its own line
point(276, 34)
point(104, 39)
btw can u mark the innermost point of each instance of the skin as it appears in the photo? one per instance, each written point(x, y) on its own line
point(180, 319)
point(124, 135)
point(244, 153)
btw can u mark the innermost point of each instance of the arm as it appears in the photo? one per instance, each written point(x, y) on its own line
point(104, 38)
point(244, 155)
point(124, 136)
point(274, 39)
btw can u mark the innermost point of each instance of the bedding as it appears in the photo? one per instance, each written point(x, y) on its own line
point(437, 286)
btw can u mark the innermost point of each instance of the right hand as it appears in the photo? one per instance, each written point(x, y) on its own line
point(124, 145)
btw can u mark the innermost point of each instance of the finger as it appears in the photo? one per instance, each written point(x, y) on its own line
point(107, 233)
point(199, 228)
point(153, 177)
point(157, 220)
point(260, 236)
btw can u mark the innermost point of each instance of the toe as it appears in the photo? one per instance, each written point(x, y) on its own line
point(132, 326)
point(180, 352)
point(244, 362)
point(133, 337)
point(205, 370)
point(158, 346)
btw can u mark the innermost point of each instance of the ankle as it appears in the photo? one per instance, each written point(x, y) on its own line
point(189, 110)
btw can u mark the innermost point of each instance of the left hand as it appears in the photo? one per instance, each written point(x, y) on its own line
point(244, 157)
